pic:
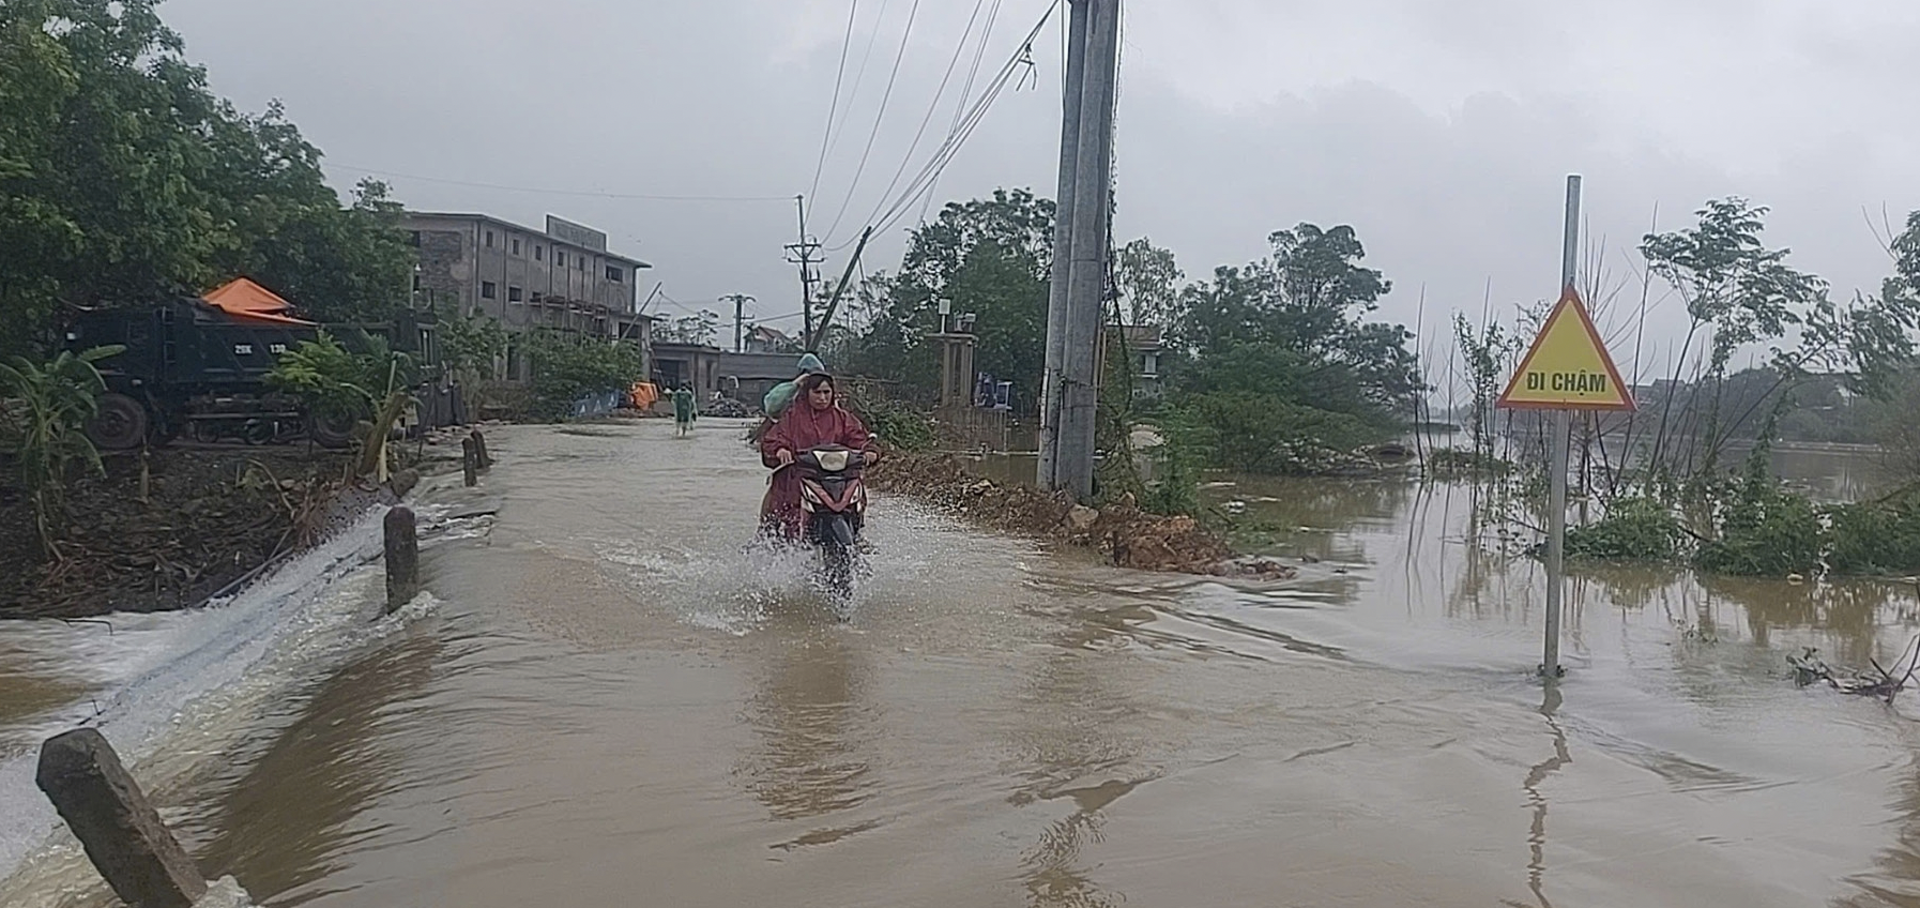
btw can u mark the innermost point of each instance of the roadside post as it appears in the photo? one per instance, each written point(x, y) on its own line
point(1567, 368)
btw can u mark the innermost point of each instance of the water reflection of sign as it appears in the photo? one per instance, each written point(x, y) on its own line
point(577, 234)
point(1567, 368)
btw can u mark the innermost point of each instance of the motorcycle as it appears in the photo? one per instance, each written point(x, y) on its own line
point(834, 502)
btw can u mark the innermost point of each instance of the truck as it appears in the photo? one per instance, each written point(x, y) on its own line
point(194, 370)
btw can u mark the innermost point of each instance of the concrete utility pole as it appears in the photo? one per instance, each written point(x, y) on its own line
point(801, 254)
point(739, 301)
point(1062, 245)
point(1069, 401)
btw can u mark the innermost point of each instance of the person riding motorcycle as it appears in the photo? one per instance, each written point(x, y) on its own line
point(815, 419)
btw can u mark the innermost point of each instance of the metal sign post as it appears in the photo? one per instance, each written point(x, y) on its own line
point(1560, 428)
point(1566, 369)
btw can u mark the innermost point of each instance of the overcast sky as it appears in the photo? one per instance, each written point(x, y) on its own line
point(1442, 131)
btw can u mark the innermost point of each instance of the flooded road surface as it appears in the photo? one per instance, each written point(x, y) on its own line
point(604, 700)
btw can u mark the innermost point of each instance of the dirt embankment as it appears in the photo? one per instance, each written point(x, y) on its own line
point(201, 519)
point(1129, 537)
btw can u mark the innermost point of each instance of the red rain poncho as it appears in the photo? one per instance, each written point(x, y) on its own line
point(800, 429)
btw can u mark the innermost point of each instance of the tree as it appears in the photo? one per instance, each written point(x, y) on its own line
point(1738, 294)
point(989, 257)
point(123, 177)
point(1148, 280)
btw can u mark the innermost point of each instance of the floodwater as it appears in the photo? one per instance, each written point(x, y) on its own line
point(605, 700)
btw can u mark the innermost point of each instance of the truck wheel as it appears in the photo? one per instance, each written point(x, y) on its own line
point(120, 425)
point(333, 430)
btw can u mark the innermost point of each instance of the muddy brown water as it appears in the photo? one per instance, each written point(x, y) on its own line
point(606, 701)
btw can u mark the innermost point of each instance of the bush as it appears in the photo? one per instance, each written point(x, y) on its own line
point(1764, 531)
point(567, 368)
point(1633, 529)
point(1184, 449)
point(898, 425)
point(1875, 537)
point(1265, 433)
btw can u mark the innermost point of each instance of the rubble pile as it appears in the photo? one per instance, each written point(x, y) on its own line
point(1130, 537)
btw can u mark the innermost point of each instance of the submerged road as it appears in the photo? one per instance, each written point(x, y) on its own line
point(606, 700)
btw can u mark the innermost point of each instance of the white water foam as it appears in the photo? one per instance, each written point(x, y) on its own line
point(180, 695)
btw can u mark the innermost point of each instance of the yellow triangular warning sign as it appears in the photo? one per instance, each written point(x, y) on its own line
point(1567, 368)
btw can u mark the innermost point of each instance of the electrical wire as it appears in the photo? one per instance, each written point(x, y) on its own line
point(839, 75)
point(945, 154)
point(839, 130)
point(946, 78)
point(566, 192)
point(966, 91)
point(879, 117)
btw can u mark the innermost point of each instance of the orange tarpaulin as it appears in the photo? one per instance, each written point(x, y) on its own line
point(643, 395)
point(246, 299)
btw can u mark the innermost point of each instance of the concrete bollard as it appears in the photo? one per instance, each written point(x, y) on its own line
point(484, 459)
point(403, 558)
point(470, 461)
point(122, 833)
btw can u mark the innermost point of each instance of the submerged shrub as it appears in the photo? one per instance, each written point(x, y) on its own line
point(1634, 529)
point(1876, 537)
point(1764, 531)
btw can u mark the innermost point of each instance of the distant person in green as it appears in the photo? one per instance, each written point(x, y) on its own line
point(683, 412)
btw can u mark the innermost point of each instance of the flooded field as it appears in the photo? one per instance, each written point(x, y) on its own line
point(607, 700)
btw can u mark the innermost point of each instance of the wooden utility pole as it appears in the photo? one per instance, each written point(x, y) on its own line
point(801, 254)
point(1069, 401)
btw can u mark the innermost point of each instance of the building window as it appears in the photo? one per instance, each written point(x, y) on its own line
point(516, 245)
point(539, 253)
point(489, 239)
point(616, 274)
point(413, 238)
point(538, 296)
point(559, 259)
point(513, 294)
point(487, 290)
point(418, 283)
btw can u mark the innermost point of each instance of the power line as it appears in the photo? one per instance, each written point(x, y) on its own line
point(840, 74)
point(878, 117)
point(859, 77)
point(567, 192)
point(959, 50)
point(945, 154)
point(966, 91)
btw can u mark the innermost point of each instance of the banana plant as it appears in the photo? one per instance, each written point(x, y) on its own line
point(46, 415)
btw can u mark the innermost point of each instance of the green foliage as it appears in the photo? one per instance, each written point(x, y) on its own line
point(899, 425)
point(122, 176)
point(1186, 445)
point(1740, 294)
point(1764, 530)
point(46, 428)
point(1486, 352)
point(331, 379)
point(568, 367)
point(990, 257)
point(1633, 529)
point(1269, 434)
point(325, 377)
point(470, 346)
point(1881, 537)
